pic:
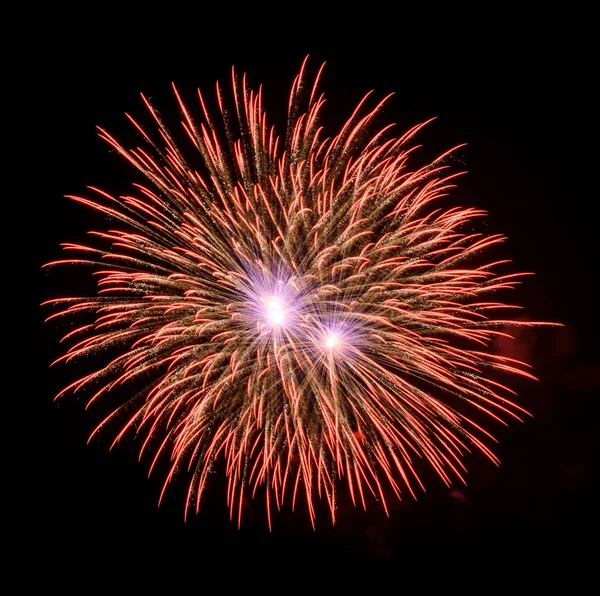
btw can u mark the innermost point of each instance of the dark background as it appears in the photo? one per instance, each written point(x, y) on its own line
point(518, 89)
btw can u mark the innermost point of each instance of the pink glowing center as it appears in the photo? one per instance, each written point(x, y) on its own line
point(332, 341)
point(275, 310)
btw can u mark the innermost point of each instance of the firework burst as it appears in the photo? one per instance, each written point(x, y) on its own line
point(306, 311)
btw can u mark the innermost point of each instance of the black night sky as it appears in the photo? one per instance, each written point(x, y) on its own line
point(521, 97)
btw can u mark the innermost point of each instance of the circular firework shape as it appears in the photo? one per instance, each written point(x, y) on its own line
point(301, 308)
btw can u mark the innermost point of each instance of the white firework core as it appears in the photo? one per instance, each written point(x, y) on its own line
point(332, 341)
point(275, 311)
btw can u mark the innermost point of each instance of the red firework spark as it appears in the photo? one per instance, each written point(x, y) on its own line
point(306, 311)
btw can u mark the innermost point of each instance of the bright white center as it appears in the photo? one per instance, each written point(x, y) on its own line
point(275, 310)
point(331, 341)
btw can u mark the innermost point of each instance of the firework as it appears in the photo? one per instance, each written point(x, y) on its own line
point(299, 308)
